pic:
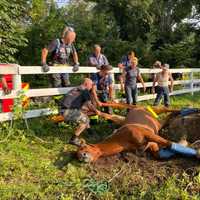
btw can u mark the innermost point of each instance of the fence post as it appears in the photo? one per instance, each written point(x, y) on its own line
point(191, 83)
point(17, 80)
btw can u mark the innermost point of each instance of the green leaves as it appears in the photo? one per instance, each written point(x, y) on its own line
point(12, 16)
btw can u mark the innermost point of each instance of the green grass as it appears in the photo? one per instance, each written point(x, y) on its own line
point(39, 164)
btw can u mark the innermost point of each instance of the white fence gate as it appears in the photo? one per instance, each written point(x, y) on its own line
point(17, 71)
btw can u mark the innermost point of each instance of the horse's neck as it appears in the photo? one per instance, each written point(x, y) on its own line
point(109, 148)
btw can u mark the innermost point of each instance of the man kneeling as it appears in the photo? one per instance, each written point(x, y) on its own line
point(76, 106)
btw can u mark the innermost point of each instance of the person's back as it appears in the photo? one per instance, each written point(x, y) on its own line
point(75, 98)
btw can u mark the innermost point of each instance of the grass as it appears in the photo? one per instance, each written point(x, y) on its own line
point(39, 164)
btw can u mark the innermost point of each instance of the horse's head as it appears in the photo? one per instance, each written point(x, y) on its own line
point(88, 153)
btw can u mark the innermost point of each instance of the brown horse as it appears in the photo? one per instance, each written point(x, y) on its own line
point(139, 130)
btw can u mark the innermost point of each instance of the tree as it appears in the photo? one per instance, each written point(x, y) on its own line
point(12, 18)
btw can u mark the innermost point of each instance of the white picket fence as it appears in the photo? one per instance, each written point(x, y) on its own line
point(17, 72)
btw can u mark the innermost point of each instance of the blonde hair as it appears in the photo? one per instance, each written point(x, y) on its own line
point(134, 60)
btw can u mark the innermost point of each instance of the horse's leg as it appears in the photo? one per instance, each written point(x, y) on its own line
point(115, 118)
point(151, 137)
point(120, 105)
point(156, 109)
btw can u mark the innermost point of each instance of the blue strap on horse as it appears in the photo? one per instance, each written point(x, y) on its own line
point(187, 111)
point(175, 149)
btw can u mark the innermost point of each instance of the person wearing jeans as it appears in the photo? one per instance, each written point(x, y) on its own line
point(163, 89)
point(132, 74)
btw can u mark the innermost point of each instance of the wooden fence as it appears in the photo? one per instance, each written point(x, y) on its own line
point(189, 86)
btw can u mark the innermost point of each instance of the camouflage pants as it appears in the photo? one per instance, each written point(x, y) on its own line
point(75, 116)
point(60, 80)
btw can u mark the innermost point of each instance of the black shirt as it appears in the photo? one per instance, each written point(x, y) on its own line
point(60, 52)
point(75, 98)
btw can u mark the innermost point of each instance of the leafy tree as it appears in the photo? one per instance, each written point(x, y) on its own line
point(12, 18)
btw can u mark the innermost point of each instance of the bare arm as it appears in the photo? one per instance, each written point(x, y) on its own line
point(171, 82)
point(5, 86)
point(92, 62)
point(75, 57)
point(111, 92)
point(142, 81)
point(155, 79)
point(44, 55)
point(94, 94)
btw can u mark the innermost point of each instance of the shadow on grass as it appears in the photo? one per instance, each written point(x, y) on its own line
point(64, 158)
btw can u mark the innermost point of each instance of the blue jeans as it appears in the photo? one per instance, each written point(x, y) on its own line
point(104, 97)
point(162, 91)
point(131, 94)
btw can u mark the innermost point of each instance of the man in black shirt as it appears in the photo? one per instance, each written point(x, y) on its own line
point(61, 49)
point(76, 106)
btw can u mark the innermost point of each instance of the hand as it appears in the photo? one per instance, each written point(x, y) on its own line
point(121, 66)
point(75, 67)
point(97, 112)
point(153, 90)
point(99, 103)
point(170, 89)
point(45, 67)
point(6, 90)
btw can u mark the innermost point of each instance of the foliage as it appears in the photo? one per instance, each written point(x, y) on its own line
point(12, 21)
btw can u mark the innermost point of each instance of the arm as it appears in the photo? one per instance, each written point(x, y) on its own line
point(171, 82)
point(92, 61)
point(5, 86)
point(75, 57)
point(44, 55)
point(154, 83)
point(111, 92)
point(105, 60)
point(94, 94)
point(142, 81)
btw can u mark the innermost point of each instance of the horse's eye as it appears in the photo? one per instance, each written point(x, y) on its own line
point(84, 154)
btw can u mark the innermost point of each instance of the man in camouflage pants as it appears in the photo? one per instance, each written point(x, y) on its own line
point(61, 50)
point(76, 106)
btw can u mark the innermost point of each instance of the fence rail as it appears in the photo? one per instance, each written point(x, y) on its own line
point(17, 71)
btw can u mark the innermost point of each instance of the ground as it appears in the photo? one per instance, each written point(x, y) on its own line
point(39, 164)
